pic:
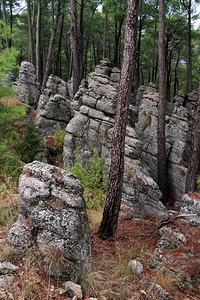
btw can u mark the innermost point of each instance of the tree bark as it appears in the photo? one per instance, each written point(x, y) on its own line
point(30, 51)
point(137, 77)
point(104, 33)
point(193, 166)
point(162, 168)
point(38, 44)
point(109, 222)
point(187, 5)
point(75, 54)
point(118, 30)
point(5, 22)
point(58, 72)
point(51, 45)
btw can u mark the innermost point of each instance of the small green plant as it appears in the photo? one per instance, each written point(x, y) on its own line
point(59, 136)
point(11, 118)
point(198, 181)
point(30, 144)
point(94, 179)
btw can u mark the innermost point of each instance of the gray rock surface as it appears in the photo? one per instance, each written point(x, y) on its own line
point(27, 88)
point(52, 107)
point(178, 135)
point(92, 127)
point(190, 206)
point(53, 216)
point(136, 266)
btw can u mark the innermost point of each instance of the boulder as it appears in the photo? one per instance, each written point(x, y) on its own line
point(27, 87)
point(53, 107)
point(52, 215)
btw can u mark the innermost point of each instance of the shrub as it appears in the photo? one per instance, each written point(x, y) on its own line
point(10, 163)
point(30, 144)
point(59, 136)
point(94, 179)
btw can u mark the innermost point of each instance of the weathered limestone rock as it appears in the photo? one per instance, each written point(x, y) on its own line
point(27, 88)
point(92, 127)
point(53, 107)
point(53, 216)
point(178, 136)
point(190, 205)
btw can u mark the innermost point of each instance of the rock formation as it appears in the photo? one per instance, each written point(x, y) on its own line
point(178, 136)
point(91, 128)
point(52, 106)
point(27, 88)
point(52, 215)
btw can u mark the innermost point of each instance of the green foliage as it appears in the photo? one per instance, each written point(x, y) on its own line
point(7, 91)
point(8, 61)
point(93, 177)
point(59, 136)
point(10, 163)
point(198, 181)
point(30, 144)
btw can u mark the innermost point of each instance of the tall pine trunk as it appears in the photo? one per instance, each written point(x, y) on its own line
point(193, 166)
point(51, 46)
point(38, 44)
point(109, 222)
point(5, 22)
point(162, 168)
point(75, 54)
point(104, 33)
point(30, 50)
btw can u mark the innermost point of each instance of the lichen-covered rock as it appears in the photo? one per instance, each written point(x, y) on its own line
point(52, 106)
point(177, 132)
point(190, 206)
point(53, 216)
point(27, 88)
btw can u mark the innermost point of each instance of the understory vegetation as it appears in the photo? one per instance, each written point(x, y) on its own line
point(94, 179)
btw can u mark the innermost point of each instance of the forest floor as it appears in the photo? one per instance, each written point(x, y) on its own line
point(179, 274)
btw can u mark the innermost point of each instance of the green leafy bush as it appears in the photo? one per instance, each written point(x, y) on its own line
point(59, 136)
point(10, 163)
point(30, 144)
point(94, 179)
point(7, 91)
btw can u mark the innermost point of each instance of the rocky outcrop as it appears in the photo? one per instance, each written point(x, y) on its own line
point(52, 215)
point(91, 128)
point(178, 136)
point(52, 107)
point(27, 88)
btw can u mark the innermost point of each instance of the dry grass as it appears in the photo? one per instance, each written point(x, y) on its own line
point(11, 101)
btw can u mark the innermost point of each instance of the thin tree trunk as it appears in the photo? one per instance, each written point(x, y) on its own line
point(5, 22)
point(193, 165)
point(104, 33)
point(1, 39)
point(154, 47)
point(53, 50)
point(175, 74)
point(74, 37)
point(38, 44)
point(51, 45)
point(81, 38)
point(137, 78)
point(162, 168)
point(189, 47)
point(11, 22)
point(30, 51)
point(59, 46)
point(109, 222)
point(117, 38)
